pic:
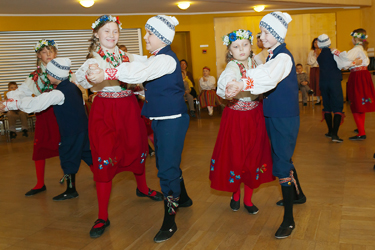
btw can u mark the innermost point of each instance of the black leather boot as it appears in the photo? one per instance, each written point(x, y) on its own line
point(336, 125)
point(299, 198)
point(169, 226)
point(185, 200)
point(71, 191)
point(287, 226)
point(328, 118)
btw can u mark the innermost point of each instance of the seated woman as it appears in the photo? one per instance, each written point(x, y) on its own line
point(208, 97)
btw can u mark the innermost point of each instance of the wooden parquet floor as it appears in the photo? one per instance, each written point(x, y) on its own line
point(338, 180)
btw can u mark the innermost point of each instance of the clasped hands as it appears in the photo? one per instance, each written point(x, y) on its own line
point(95, 74)
point(233, 88)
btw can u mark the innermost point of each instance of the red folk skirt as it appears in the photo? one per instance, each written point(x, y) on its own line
point(314, 80)
point(117, 133)
point(360, 91)
point(242, 151)
point(47, 135)
point(209, 98)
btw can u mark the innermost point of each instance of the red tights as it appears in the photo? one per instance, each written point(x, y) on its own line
point(39, 167)
point(103, 191)
point(248, 195)
point(359, 119)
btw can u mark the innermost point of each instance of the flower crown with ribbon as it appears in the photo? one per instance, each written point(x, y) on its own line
point(358, 35)
point(237, 35)
point(43, 43)
point(104, 19)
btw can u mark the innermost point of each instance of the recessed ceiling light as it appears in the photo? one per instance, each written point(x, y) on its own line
point(259, 8)
point(86, 3)
point(183, 5)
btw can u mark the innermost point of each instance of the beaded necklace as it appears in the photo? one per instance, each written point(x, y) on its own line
point(242, 67)
point(38, 74)
point(112, 58)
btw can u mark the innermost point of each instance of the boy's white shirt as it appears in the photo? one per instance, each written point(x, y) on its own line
point(232, 71)
point(345, 59)
point(29, 104)
point(266, 76)
point(146, 70)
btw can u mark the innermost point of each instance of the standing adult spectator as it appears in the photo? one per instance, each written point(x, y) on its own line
point(314, 69)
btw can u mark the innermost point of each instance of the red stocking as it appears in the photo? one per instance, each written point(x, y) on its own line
point(359, 119)
point(141, 183)
point(248, 195)
point(39, 167)
point(237, 194)
point(103, 191)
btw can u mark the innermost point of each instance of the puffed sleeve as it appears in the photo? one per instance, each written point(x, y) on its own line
point(137, 72)
point(228, 75)
point(35, 104)
point(266, 76)
point(81, 73)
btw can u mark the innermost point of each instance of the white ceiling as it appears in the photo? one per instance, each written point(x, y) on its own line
point(123, 7)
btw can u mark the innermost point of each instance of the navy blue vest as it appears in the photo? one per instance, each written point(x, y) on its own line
point(165, 95)
point(282, 101)
point(71, 116)
point(328, 71)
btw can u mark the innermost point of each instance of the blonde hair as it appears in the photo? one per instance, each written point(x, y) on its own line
point(94, 40)
point(50, 48)
point(229, 57)
point(363, 41)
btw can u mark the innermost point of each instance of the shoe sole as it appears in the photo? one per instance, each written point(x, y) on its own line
point(160, 241)
point(357, 139)
point(66, 198)
point(335, 140)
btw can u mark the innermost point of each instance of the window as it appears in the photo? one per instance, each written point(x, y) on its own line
point(17, 56)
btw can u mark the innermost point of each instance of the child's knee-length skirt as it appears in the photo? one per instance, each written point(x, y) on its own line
point(118, 136)
point(242, 151)
point(361, 92)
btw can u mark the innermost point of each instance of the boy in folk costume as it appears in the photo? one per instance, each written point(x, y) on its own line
point(72, 120)
point(330, 86)
point(165, 105)
point(277, 78)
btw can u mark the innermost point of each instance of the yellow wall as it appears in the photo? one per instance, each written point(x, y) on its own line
point(201, 29)
point(368, 21)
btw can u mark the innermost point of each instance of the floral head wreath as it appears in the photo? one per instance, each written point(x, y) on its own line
point(358, 35)
point(238, 35)
point(43, 43)
point(104, 19)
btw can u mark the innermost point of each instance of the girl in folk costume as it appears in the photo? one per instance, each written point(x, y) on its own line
point(247, 160)
point(47, 136)
point(208, 97)
point(360, 89)
point(117, 132)
point(314, 68)
point(277, 78)
point(165, 106)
